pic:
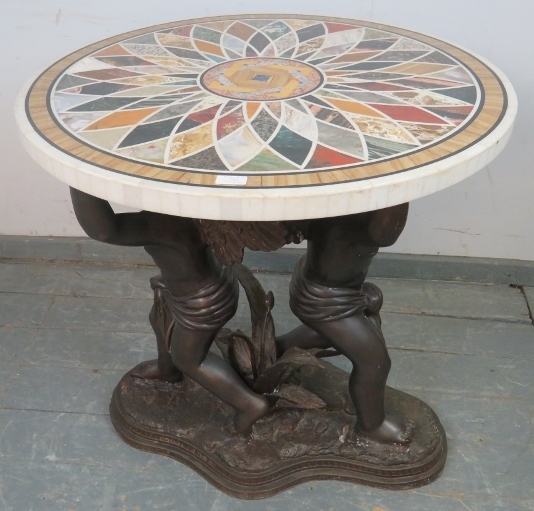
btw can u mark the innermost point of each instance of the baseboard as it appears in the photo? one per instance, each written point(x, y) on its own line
point(385, 265)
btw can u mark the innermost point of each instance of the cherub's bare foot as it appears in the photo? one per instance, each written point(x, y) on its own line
point(151, 370)
point(391, 431)
point(244, 420)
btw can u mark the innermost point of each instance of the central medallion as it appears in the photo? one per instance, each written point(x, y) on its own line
point(261, 79)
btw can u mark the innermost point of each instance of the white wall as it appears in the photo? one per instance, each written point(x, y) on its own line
point(488, 215)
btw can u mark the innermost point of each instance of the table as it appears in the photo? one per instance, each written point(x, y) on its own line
point(257, 131)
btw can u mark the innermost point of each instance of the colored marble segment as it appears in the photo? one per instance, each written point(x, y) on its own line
point(148, 132)
point(380, 148)
point(266, 161)
point(264, 125)
point(264, 96)
point(291, 145)
point(204, 160)
point(326, 157)
point(68, 81)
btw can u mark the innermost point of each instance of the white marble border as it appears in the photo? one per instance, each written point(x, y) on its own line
point(227, 203)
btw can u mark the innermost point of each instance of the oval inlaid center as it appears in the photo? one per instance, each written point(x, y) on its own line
point(261, 79)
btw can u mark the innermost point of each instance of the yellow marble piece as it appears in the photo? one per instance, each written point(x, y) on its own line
point(214, 49)
point(312, 44)
point(298, 24)
point(354, 107)
point(191, 142)
point(177, 41)
point(426, 133)
point(121, 118)
point(382, 128)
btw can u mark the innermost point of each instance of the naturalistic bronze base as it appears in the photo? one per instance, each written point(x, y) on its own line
point(287, 447)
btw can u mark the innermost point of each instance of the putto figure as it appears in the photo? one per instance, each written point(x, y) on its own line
point(328, 294)
point(203, 293)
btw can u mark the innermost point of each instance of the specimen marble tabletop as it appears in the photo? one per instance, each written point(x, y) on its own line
point(266, 117)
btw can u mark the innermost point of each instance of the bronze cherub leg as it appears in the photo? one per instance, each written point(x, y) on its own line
point(329, 295)
point(198, 294)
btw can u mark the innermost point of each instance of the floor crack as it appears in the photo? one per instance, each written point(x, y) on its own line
point(524, 293)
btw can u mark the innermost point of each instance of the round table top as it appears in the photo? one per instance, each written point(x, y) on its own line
point(273, 117)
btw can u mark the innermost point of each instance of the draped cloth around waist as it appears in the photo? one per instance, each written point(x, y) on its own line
point(207, 309)
point(314, 303)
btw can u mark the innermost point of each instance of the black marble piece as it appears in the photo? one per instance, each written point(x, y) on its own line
point(186, 54)
point(380, 148)
point(368, 66)
point(467, 94)
point(183, 75)
point(296, 105)
point(187, 124)
point(307, 33)
point(148, 132)
point(103, 88)
point(291, 145)
point(207, 159)
point(264, 125)
point(251, 52)
point(449, 113)
point(436, 58)
point(259, 41)
point(69, 81)
point(376, 44)
point(316, 100)
point(103, 104)
point(125, 61)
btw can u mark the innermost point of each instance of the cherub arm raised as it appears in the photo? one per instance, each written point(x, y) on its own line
point(100, 222)
point(386, 225)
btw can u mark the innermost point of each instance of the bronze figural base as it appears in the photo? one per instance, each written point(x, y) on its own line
point(271, 413)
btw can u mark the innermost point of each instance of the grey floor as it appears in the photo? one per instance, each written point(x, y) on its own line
point(68, 333)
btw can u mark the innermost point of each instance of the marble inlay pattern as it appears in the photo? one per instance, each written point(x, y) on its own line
point(264, 96)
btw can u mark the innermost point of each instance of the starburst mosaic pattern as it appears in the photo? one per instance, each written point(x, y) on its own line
point(264, 96)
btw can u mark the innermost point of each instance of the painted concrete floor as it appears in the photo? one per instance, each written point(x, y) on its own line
point(68, 333)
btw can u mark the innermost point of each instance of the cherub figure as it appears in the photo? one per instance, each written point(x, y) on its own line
point(338, 309)
point(201, 292)
point(327, 294)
